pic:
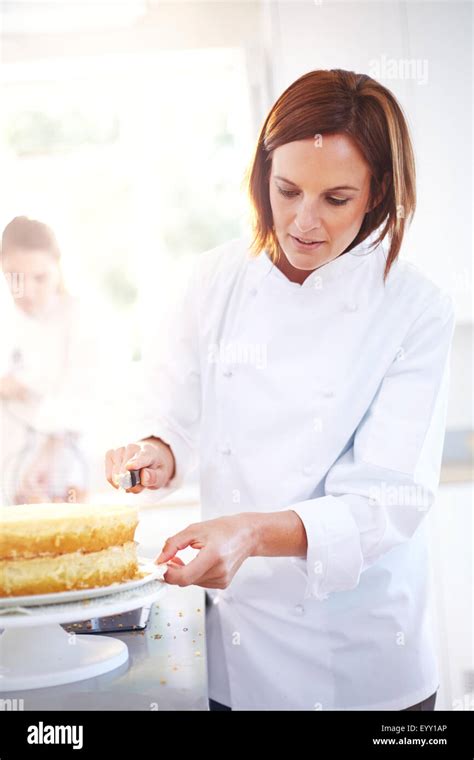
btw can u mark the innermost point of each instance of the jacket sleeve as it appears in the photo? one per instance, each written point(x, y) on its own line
point(168, 403)
point(379, 490)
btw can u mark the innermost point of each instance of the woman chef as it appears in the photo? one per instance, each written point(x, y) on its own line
point(309, 368)
point(45, 384)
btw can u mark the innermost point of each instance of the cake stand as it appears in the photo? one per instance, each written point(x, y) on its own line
point(35, 652)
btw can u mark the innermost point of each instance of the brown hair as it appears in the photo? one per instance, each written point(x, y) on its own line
point(29, 234)
point(330, 102)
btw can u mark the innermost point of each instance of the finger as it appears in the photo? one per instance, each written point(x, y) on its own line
point(117, 457)
point(200, 567)
point(113, 467)
point(153, 478)
point(131, 451)
point(139, 456)
point(175, 561)
point(135, 489)
point(175, 543)
point(148, 478)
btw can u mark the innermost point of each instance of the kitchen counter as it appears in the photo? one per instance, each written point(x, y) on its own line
point(167, 664)
point(166, 669)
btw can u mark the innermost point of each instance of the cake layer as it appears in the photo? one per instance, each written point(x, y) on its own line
point(67, 572)
point(33, 530)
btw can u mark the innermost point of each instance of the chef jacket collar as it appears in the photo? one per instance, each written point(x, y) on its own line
point(333, 270)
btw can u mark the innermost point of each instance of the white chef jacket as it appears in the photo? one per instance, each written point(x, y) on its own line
point(58, 356)
point(328, 398)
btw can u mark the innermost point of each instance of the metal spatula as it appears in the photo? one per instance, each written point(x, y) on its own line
point(128, 479)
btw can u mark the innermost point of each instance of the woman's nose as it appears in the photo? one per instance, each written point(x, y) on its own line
point(308, 218)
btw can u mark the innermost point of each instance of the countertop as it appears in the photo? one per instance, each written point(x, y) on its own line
point(166, 669)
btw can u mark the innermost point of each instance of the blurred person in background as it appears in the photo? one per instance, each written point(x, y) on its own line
point(48, 353)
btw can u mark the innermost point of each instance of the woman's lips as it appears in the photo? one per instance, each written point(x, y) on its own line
point(300, 245)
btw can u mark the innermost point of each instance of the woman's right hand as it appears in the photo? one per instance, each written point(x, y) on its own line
point(152, 456)
point(12, 390)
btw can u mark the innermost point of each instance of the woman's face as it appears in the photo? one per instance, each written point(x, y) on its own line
point(318, 192)
point(33, 278)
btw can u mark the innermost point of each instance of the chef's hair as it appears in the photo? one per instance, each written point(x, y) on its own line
point(341, 102)
point(31, 235)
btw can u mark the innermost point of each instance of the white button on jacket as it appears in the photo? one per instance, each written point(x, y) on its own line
point(336, 409)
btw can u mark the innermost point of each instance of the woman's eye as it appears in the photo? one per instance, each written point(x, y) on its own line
point(294, 193)
point(338, 201)
point(288, 193)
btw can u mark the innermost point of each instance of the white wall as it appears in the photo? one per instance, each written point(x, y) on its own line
point(436, 95)
point(452, 561)
point(461, 394)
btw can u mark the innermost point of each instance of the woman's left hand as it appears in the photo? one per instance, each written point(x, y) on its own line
point(224, 544)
